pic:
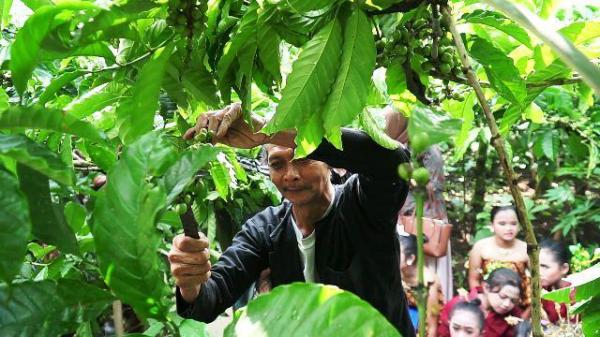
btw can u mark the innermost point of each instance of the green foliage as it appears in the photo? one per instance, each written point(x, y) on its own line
point(15, 227)
point(308, 86)
point(49, 308)
point(126, 210)
point(38, 118)
point(36, 156)
point(47, 218)
point(309, 310)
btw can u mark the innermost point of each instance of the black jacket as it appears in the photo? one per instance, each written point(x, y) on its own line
point(356, 244)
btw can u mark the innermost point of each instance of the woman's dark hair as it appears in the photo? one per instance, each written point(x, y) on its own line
point(408, 243)
point(501, 277)
point(560, 252)
point(497, 209)
point(472, 307)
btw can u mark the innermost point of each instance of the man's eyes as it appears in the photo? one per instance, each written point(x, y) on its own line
point(275, 165)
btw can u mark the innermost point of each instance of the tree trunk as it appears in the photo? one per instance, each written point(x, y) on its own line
point(478, 198)
point(498, 142)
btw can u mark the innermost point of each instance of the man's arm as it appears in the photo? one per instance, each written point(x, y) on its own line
point(380, 190)
point(236, 269)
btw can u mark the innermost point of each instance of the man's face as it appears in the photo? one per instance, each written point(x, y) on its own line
point(300, 181)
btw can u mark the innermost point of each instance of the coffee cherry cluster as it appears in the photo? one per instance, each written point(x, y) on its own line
point(425, 37)
point(187, 16)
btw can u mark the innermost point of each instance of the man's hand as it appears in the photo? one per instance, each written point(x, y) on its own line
point(190, 264)
point(228, 127)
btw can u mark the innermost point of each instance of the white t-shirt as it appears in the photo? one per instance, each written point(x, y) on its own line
point(306, 246)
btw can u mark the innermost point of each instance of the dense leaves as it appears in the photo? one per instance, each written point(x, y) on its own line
point(126, 210)
point(49, 308)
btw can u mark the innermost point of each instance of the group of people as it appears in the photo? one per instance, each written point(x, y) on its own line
point(499, 301)
point(347, 235)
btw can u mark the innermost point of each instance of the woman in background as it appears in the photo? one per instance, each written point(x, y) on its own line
point(554, 266)
point(502, 250)
point(467, 319)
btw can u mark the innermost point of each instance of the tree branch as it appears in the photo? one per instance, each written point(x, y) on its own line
point(498, 142)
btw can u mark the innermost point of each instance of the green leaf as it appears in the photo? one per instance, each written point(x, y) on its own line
point(581, 32)
point(104, 156)
point(124, 230)
point(378, 134)
point(27, 152)
point(500, 22)
point(563, 47)
point(49, 308)
point(47, 218)
point(465, 111)
point(246, 31)
point(199, 83)
point(35, 4)
point(5, 6)
point(240, 173)
point(395, 79)
point(268, 41)
point(304, 309)
point(75, 215)
point(309, 136)
point(550, 145)
point(307, 5)
point(94, 100)
point(57, 84)
point(183, 171)
point(137, 112)
point(439, 127)
point(591, 318)
point(25, 52)
point(220, 176)
point(310, 81)
point(15, 227)
point(351, 87)
point(501, 70)
point(37, 117)
point(4, 104)
point(192, 328)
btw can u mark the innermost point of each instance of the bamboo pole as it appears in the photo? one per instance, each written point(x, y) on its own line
point(498, 142)
point(118, 318)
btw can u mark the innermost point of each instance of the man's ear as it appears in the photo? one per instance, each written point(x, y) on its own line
point(411, 260)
